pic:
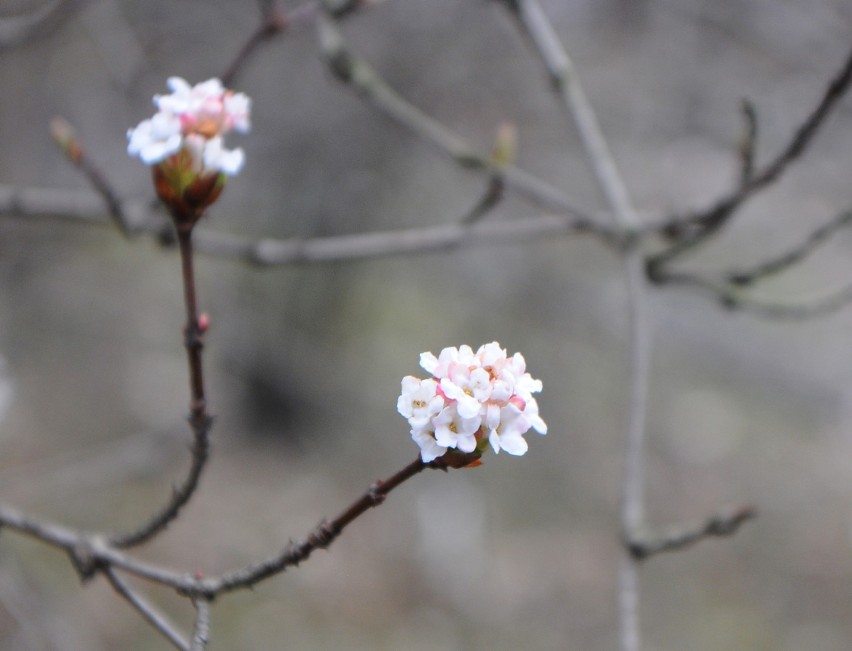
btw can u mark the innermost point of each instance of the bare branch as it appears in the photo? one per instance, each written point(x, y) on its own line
point(16, 29)
point(83, 206)
point(696, 228)
point(323, 535)
point(272, 23)
point(363, 79)
point(793, 256)
point(91, 553)
point(148, 611)
point(199, 419)
point(732, 297)
point(67, 141)
point(748, 142)
point(724, 523)
point(567, 84)
point(201, 630)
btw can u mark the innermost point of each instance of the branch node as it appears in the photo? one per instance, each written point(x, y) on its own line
point(375, 493)
point(85, 561)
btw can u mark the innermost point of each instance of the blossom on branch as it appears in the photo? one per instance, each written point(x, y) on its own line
point(184, 143)
point(472, 400)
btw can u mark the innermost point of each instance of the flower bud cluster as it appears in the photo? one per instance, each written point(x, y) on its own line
point(471, 400)
point(193, 119)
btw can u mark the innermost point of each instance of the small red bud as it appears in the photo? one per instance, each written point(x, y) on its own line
point(203, 322)
point(199, 575)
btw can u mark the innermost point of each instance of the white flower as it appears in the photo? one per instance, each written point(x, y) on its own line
point(470, 399)
point(419, 401)
point(193, 119)
point(452, 430)
point(216, 157)
point(429, 448)
point(155, 139)
point(508, 434)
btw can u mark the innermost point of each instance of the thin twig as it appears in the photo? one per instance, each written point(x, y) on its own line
point(16, 29)
point(272, 23)
point(200, 421)
point(201, 629)
point(84, 206)
point(363, 79)
point(487, 202)
point(732, 297)
point(91, 553)
point(796, 254)
point(699, 226)
point(323, 535)
point(724, 523)
point(148, 611)
point(567, 84)
point(73, 205)
point(748, 142)
point(275, 22)
point(64, 135)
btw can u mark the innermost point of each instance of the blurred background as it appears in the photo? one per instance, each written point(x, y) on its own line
point(304, 362)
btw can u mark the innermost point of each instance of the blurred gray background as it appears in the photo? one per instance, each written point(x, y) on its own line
point(304, 362)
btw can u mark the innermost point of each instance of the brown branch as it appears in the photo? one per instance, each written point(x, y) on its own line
point(724, 523)
point(275, 22)
point(322, 536)
point(200, 421)
point(93, 553)
point(272, 23)
point(696, 228)
point(793, 256)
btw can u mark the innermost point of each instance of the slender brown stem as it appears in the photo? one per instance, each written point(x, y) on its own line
point(199, 419)
point(322, 536)
point(91, 553)
point(272, 24)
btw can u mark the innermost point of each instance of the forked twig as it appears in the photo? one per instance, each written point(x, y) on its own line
point(695, 228)
point(363, 79)
point(93, 553)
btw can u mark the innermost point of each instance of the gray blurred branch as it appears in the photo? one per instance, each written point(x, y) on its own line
point(697, 227)
point(567, 85)
point(731, 288)
point(201, 629)
point(149, 612)
point(725, 523)
point(17, 29)
point(364, 80)
point(142, 219)
point(91, 553)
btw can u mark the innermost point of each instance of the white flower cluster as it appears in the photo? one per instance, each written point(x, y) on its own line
point(193, 119)
point(471, 398)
